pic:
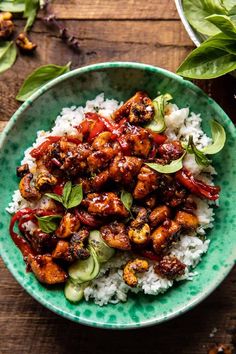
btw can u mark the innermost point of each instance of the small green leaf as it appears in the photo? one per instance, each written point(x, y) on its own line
point(66, 192)
point(48, 223)
point(40, 77)
point(76, 196)
point(127, 199)
point(200, 158)
point(12, 6)
point(158, 123)
point(224, 24)
point(218, 137)
point(8, 55)
point(31, 8)
point(172, 167)
point(55, 196)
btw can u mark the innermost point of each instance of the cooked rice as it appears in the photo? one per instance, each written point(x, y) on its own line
point(109, 286)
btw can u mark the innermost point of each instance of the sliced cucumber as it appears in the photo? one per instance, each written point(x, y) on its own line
point(81, 271)
point(74, 292)
point(103, 251)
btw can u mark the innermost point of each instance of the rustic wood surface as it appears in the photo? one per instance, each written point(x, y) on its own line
point(109, 30)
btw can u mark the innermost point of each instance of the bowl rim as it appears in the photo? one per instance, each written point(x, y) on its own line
point(28, 103)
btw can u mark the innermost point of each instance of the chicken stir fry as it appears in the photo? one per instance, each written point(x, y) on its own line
point(101, 179)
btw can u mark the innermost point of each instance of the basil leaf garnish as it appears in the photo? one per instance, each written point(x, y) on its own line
point(200, 158)
point(40, 77)
point(71, 196)
point(218, 137)
point(76, 196)
point(66, 192)
point(8, 55)
point(172, 167)
point(49, 223)
point(127, 199)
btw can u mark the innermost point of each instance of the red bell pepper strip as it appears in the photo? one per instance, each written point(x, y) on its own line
point(158, 138)
point(19, 241)
point(150, 255)
point(196, 186)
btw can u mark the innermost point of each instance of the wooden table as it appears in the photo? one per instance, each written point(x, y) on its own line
point(109, 30)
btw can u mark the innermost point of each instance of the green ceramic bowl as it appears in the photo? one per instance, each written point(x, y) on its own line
point(120, 81)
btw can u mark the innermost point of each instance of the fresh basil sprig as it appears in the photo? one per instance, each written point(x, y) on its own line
point(214, 57)
point(49, 223)
point(200, 158)
point(127, 199)
point(172, 167)
point(158, 123)
point(8, 55)
point(71, 196)
point(224, 23)
point(40, 77)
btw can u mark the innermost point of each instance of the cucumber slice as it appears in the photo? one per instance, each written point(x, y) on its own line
point(74, 292)
point(103, 251)
point(96, 264)
point(81, 271)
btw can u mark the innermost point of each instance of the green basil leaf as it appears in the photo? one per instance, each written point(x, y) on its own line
point(197, 10)
point(40, 77)
point(12, 6)
point(211, 59)
point(228, 4)
point(232, 12)
point(158, 123)
point(218, 137)
point(76, 196)
point(172, 167)
point(200, 158)
point(224, 24)
point(127, 199)
point(8, 55)
point(48, 223)
point(31, 8)
point(66, 192)
point(55, 196)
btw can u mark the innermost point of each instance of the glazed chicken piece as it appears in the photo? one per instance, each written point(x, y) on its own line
point(133, 267)
point(27, 188)
point(115, 235)
point(164, 236)
point(68, 225)
point(151, 201)
point(170, 267)
point(94, 183)
point(73, 250)
point(105, 148)
point(187, 220)
point(74, 160)
point(171, 192)
point(138, 109)
point(41, 242)
point(159, 215)
point(148, 181)
point(136, 141)
point(46, 270)
point(22, 170)
point(139, 230)
point(45, 179)
point(124, 169)
point(170, 151)
point(105, 204)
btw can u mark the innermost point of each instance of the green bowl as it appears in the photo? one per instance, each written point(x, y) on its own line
point(120, 80)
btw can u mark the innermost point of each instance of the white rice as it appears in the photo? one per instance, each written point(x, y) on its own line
point(109, 286)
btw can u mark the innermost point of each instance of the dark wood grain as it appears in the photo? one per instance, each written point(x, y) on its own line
point(144, 31)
